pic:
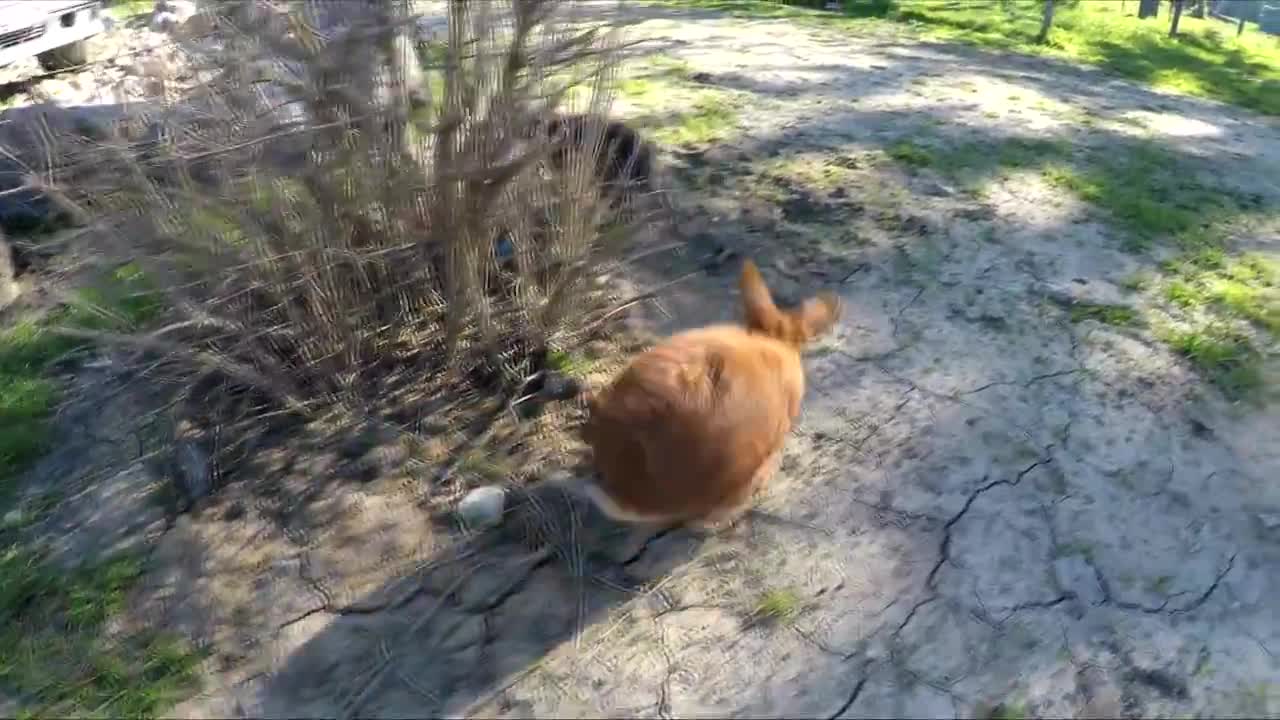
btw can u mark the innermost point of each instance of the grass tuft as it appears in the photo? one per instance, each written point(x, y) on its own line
point(677, 110)
point(55, 652)
point(1226, 357)
point(777, 605)
point(1114, 315)
point(29, 349)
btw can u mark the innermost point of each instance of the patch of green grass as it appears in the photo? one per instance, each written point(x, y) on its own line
point(1007, 711)
point(1149, 193)
point(28, 349)
point(709, 119)
point(1219, 294)
point(125, 9)
point(970, 162)
point(1205, 60)
point(55, 654)
point(679, 111)
point(910, 154)
point(1138, 281)
point(777, 605)
point(1245, 287)
point(1152, 195)
point(125, 299)
point(1223, 355)
point(649, 82)
point(815, 171)
point(30, 510)
point(26, 396)
point(568, 363)
point(1114, 315)
point(1183, 294)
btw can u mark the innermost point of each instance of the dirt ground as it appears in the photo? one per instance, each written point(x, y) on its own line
point(989, 506)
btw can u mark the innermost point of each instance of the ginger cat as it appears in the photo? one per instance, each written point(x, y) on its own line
point(694, 427)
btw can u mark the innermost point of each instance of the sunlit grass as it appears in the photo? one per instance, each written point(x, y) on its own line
point(674, 108)
point(1205, 60)
point(55, 654)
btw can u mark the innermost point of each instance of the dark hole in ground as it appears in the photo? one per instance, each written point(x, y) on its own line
point(803, 207)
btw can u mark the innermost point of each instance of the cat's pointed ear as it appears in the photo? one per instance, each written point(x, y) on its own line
point(818, 314)
point(757, 301)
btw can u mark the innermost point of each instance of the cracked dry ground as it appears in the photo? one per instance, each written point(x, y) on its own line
point(985, 504)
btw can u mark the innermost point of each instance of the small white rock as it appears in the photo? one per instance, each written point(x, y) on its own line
point(163, 21)
point(482, 507)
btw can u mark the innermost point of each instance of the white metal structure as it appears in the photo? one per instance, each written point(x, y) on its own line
point(54, 31)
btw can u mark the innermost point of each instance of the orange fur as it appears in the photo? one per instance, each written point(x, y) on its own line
point(694, 427)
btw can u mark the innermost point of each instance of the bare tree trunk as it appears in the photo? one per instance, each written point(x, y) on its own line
point(1240, 27)
point(1177, 16)
point(1046, 22)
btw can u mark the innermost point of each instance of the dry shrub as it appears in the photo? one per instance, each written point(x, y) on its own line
point(334, 227)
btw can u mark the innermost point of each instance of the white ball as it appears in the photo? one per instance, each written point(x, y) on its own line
point(482, 507)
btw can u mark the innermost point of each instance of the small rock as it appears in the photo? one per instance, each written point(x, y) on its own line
point(165, 22)
point(482, 507)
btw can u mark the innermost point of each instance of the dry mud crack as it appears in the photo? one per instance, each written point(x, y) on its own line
point(987, 503)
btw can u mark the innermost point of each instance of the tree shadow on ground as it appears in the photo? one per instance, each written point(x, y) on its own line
point(483, 612)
